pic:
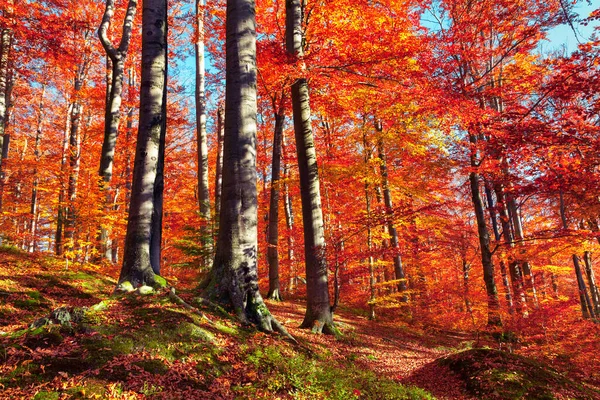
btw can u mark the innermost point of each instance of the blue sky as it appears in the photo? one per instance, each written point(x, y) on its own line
point(564, 35)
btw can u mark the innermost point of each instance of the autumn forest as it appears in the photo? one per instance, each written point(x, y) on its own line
point(266, 171)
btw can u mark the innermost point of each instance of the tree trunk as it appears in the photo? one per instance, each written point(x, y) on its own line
point(318, 315)
point(34, 188)
point(74, 165)
point(519, 236)
point(367, 151)
point(516, 274)
point(273, 235)
point(142, 221)
point(589, 271)
point(234, 278)
point(484, 244)
point(289, 220)
point(112, 116)
point(61, 212)
point(586, 305)
point(201, 140)
point(389, 212)
point(219, 167)
point(5, 50)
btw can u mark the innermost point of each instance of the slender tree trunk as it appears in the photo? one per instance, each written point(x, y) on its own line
point(34, 188)
point(516, 274)
point(142, 221)
point(369, 233)
point(234, 277)
point(219, 166)
point(586, 305)
point(74, 165)
point(273, 234)
point(289, 220)
point(484, 244)
point(201, 137)
point(61, 213)
point(116, 59)
point(389, 212)
point(589, 271)
point(519, 236)
point(494, 220)
point(318, 316)
point(5, 53)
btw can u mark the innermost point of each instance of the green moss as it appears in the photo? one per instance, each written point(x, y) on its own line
point(44, 395)
point(305, 377)
point(159, 282)
point(498, 375)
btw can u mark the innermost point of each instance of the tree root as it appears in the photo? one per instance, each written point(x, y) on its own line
point(179, 301)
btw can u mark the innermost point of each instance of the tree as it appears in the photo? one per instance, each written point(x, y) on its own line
point(319, 317)
point(234, 278)
point(112, 115)
point(140, 258)
point(203, 193)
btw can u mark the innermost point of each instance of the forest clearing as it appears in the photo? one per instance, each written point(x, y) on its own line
point(300, 199)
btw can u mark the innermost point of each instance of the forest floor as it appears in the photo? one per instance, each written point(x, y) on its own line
point(139, 346)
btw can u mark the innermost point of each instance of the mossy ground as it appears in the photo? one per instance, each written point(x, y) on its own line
point(148, 347)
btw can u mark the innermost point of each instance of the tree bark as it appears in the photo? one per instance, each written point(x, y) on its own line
point(219, 167)
point(5, 53)
point(289, 219)
point(484, 243)
point(389, 213)
point(273, 234)
point(591, 277)
point(234, 278)
point(34, 188)
point(516, 274)
point(112, 116)
point(201, 139)
point(517, 223)
point(142, 220)
point(587, 310)
point(61, 212)
point(318, 317)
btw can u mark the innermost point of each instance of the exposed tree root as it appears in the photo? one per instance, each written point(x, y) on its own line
point(179, 301)
point(275, 295)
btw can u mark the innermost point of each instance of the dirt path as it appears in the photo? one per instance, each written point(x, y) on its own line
point(385, 348)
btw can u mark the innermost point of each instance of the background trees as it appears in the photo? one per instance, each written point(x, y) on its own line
point(445, 115)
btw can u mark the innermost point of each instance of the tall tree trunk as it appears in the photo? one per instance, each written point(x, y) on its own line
point(367, 158)
point(516, 274)
point(492, 211)
point(289, 219)
point(589, 272)
point(112, 116)
point(5, 53)
point(34, 188)
point(389, 212)
point(61, 212)
point(484, 243)
point(273, 235)
point(517, 223)
point(141, 224)
point(74, 165)
point(587, 310)
point(219, 166)
point(234, 278)
point(201, 140)
point(318, 315)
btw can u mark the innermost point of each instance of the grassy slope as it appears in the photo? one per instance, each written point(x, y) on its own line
point(148, 347)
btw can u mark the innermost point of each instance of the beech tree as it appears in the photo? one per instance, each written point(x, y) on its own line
point(319, 317)
point(141, 258)
point(112, 116)
point(234, 278)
